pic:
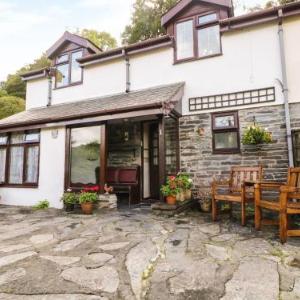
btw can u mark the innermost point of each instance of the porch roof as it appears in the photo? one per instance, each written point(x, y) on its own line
point(164, 97)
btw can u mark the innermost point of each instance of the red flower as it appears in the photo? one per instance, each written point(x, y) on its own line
point(172, 178)
point(91, 189)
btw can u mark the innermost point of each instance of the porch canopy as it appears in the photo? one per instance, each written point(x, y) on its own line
point(162, 100)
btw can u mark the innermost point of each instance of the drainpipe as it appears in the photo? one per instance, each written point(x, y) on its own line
point(284, 85)
point(50, 73)
point(128, 84)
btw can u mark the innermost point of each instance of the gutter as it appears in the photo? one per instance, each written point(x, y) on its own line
point(285, 91)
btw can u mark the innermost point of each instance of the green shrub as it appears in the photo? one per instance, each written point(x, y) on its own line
point(70, 198)
point(255, 135)
point(44, 204)
point(86, 197)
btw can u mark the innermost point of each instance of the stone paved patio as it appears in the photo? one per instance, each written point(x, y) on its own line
point(51, 255)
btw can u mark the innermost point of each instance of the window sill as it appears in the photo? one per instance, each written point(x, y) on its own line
point(181, 61)
point(69, 85)
point(225, 151)
point(19, 186)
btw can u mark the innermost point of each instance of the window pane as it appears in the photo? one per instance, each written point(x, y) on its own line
point(171, 146)
point(297, 148)
point(85, 163)
point(32, 136)
point(207, 18)
point(209, 40)
point(16, 165)
point(185, 40)
point(62, 75)
point(76, 70)
point(3, 139)
point(2, 164)
point(224, 121)
point(62, 58)
point(32, 164)
point(17, 138)
point(226, 140)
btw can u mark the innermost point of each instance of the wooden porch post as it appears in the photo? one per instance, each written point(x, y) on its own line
point(161, 156)
point(103, 156)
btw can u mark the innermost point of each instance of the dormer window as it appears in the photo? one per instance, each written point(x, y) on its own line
point(68, 71)
point(198, 37)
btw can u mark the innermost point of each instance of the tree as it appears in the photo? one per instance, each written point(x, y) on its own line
point(10, 105)
point(15, 86)
point(102, 39)
point(269, 4)
point(146, 20)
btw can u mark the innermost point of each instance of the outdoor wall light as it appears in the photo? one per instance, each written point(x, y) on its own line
point(54, 133)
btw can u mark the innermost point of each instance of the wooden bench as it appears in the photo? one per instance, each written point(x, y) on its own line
point(235, 190)
point(125, 180)
point(286, 204)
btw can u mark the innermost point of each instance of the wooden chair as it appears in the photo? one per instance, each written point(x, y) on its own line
point(287, 204)
point(236, 189)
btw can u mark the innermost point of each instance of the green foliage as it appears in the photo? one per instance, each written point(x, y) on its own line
point(10, 105)
point(87, 197)
point(70, 198)
point(184, 181)
point(170, 188)
point(102, 39)
point(146, 20)
point(15, 86)
point(3, 93)
point(269, 4)
point(44, 204)
point(255, 135)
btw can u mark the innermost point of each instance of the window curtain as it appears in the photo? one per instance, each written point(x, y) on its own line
point(16, 165)
point(32, 161)
point(2, 165)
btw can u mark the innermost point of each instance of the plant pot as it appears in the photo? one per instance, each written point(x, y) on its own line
point(205, 205)
point(171, 200)
point(180, 197)
point(188, 195)
point(87, 208)
point(69, 207)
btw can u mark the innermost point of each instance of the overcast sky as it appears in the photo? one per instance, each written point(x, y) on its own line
point(29, 27)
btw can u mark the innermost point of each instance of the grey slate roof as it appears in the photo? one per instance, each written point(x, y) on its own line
point(148, 98)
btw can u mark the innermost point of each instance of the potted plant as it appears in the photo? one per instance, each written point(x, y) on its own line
point(86, 200)
point(69, 199)
point(170, 190)
point(256, 135)
point(205, 200)
point(185, 184)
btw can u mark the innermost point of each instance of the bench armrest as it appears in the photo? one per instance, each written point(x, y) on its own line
point(270, 185)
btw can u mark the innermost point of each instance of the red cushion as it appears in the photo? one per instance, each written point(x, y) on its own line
point(128, 176)
point(112, 175)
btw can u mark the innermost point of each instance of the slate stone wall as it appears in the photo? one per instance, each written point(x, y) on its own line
point(196, 151)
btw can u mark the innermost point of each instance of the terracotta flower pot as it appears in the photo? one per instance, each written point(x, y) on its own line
point(171, 200)
point(87, 208)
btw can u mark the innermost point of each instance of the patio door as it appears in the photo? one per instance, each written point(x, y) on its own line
point(154, 161)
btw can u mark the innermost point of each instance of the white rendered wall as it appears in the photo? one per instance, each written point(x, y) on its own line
point(51, 177)
point(250, 60)
point(36, 93)
point(291, 35)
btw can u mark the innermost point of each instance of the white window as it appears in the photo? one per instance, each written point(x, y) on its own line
point(209, 41)
point(185, 39)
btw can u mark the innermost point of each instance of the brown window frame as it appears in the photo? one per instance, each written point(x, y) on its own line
point(295, 148)
point(68, 62)
point(196, 27)
point(25, 145)
point(234, 128)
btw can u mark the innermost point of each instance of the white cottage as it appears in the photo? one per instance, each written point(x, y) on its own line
point(133, 115)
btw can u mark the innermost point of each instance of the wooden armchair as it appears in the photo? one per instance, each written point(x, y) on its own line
point(236, 191)
point(287, 204)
